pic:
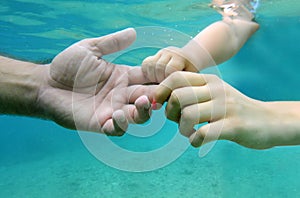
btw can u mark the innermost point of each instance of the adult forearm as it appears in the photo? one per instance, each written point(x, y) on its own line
point(284, 127)
point(19, 86)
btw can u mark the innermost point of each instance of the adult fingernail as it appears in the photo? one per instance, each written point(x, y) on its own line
point(154, 104)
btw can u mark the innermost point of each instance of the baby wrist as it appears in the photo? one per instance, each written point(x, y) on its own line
point(198, 56)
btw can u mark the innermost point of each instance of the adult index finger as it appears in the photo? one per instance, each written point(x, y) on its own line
point(177, 80)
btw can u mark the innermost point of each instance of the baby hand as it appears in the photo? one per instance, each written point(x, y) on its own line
point(166, 61)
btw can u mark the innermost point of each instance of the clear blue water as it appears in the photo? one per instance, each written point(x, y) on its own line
point(40, 159)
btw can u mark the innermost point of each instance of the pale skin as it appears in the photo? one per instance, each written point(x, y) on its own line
point(79, 89)
point(226, 113)
point(215, 44)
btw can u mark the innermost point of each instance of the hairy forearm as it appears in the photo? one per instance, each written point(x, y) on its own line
point(19, 86)
point(219, 42)
point(284, 128)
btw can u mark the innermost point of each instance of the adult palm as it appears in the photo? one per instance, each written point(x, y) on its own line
point(83, 91)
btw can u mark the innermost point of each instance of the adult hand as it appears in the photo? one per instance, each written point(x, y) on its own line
point(224, 112)
point(83, 91)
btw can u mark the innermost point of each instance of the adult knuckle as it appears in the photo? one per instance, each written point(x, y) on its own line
point(176, 75)
point(173, 98)
point(187, 113)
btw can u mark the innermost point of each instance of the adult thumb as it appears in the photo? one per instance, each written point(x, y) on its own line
point(110, 43)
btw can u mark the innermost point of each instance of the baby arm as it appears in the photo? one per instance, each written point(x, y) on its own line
point(219, 42)
point(215, 44)
point(226, 113)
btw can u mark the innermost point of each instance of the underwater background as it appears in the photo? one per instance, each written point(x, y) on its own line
point(41, 159)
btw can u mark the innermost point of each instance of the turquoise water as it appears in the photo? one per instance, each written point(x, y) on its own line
point(41, 159)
